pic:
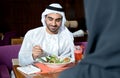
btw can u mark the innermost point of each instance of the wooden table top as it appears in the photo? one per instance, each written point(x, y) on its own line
point(19, 74)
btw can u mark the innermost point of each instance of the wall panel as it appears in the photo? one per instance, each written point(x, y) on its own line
point(22, 15)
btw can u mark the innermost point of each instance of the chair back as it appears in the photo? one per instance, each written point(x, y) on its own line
point(7, 53)
point(83, 44)
point(8, 36)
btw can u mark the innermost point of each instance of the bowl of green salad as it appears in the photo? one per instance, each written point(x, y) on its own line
point(55, 61)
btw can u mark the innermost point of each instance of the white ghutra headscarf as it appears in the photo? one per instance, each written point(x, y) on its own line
point(54, 8)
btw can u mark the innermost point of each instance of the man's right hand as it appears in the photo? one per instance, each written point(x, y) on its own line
point(36, 51)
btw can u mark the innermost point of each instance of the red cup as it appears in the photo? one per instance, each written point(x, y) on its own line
point(78, 52)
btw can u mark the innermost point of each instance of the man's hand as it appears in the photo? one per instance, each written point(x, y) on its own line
point(36, 51)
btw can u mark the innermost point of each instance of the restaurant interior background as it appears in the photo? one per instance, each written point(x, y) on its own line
point(23, 15)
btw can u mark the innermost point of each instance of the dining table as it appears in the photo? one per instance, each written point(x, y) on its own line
point(19, 74)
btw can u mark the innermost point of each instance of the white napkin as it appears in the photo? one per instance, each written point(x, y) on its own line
point(29, 69)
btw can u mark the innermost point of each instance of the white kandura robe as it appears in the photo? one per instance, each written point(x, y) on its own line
point(60, 44)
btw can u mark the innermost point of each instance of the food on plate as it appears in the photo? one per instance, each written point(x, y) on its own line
point(55, 59)
point(66, 60)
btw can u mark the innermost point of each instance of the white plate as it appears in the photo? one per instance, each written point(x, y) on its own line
point(56, 65)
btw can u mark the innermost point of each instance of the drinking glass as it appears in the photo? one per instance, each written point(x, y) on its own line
point(78, 53)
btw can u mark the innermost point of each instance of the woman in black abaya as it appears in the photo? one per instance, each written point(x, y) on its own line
point(103, 51)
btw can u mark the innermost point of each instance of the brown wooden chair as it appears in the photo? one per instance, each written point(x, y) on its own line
point(15, 41)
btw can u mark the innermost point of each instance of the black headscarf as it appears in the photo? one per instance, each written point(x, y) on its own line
point(103, 50)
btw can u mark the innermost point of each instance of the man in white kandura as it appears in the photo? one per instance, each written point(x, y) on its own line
point(53, 38)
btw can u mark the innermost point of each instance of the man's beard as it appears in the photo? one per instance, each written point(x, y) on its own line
point(53, 29)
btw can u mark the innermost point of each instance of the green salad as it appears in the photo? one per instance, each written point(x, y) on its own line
point(55, 59)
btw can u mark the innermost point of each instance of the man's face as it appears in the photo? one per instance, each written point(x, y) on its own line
point(53, 22)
